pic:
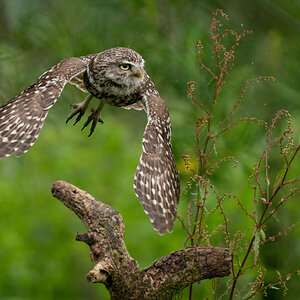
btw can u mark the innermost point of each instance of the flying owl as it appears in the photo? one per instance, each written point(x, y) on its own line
point(116, 77)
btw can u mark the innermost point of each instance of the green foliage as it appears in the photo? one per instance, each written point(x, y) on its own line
point(207, 199)
point(39, 258)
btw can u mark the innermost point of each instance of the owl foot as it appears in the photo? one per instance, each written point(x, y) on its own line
point(94, 117)
point(79, 108)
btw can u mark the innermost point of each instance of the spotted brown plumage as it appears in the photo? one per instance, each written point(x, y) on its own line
point(156, 181)
point(116, 77)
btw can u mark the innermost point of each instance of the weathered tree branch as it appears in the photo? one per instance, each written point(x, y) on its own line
point(118, 271)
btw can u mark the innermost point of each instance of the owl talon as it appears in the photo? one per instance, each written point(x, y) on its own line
point(94, 117)
point(79, 108)
point(78, 117)
point(80, 113)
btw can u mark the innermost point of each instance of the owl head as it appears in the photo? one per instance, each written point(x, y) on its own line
point(117, 69)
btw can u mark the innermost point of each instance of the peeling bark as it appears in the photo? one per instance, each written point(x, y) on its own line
point(113, 265)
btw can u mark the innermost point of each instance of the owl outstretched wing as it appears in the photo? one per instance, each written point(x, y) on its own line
point(22, 118)
point(156, 181)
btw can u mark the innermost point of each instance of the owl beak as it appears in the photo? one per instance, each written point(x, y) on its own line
point(138, 74)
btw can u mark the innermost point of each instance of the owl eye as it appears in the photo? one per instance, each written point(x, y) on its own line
point(125, 67)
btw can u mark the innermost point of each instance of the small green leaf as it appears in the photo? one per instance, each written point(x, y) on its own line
point(275, 288)
point(215, 150)
point(262, 235)
point(278, 179)
point(249, 295)
point(278, 273)
point(256, 246)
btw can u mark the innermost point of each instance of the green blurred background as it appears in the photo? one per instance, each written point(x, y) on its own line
point(39, 257)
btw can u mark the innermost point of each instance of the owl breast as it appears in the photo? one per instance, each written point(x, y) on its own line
point(122, 101)
point(112, 93)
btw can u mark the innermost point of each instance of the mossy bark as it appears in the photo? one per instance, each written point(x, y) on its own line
point(114, 267)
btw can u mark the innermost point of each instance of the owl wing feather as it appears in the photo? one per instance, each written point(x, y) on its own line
point(156, 181)
point(137, 106)
point(22, 118)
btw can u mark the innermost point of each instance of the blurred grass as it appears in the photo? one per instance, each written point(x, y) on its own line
point(39, 258)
